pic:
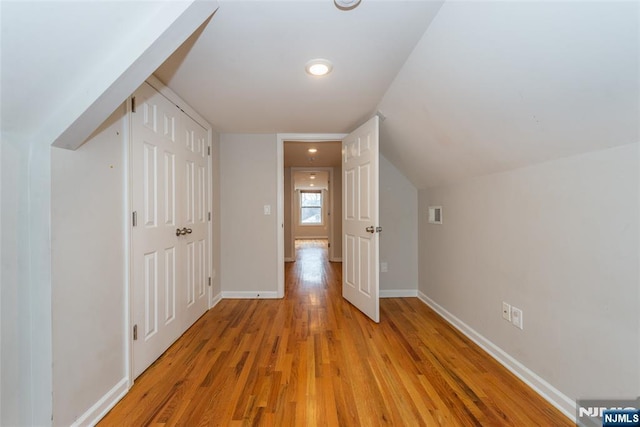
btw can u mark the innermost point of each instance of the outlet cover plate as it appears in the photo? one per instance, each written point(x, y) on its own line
point(506, 312)
point(516, 318)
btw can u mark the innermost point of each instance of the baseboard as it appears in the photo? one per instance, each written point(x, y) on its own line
point(398, 293)
point(336, 259)
point(289, 259)
point(104, 405)
point(558, 399)
point(216, 300)
point(250, 295)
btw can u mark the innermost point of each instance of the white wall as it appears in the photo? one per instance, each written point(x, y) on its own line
point(399, 237)
point(25, 355)
point(25, 344)
point(248, 182)
point(88, 270)
point(558, 240)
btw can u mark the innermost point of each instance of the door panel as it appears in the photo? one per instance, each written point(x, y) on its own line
point(360, 200)
point(169, 272)
point(169, 285)
point(195, 209)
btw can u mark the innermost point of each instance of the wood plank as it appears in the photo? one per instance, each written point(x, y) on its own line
point(299, 361)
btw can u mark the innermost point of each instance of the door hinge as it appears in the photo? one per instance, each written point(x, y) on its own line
point(135, 332)
point(134, 218)
point(209, 216)
point(209, 151)
point(329, 245)
point(133, 104)
point(209, 281)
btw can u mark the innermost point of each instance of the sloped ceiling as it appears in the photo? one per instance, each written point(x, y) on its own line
point(245, 71)
point(500, 85)
point(66, 65)
point(467, 87)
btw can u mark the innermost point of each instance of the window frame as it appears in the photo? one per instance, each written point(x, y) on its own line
point(300, 208)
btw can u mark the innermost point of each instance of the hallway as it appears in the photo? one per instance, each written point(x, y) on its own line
point(313, 359)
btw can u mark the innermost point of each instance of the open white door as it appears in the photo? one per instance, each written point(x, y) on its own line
point(360, 193)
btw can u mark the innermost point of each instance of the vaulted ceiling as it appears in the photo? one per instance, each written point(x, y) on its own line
point(245, 70)
point(467, 87)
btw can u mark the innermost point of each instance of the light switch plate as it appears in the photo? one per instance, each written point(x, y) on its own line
point(267, 209)
point(506, 312)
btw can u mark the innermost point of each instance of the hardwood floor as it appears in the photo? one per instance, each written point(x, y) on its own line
point(313, 359)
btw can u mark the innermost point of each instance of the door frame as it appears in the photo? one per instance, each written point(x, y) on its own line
point(280, 139)
point(189, 111)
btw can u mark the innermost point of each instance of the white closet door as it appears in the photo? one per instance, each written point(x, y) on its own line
point(169, 239)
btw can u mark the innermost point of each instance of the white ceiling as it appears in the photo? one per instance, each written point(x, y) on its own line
point(467, 87)
point(245, 71)
point(53, 50)
point(500, 85)
point(302, 180)
point(296, 154)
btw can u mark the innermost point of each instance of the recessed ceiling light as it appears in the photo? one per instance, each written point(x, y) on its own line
point(312, 177)
point(319, 67)
point(313, 150)
point(311, 184)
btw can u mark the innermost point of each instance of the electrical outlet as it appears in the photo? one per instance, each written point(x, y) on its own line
point(516, 318)
point(384, 267)
point(506, 312)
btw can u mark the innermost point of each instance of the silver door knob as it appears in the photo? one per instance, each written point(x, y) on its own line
point(184, 231)
point(371, 229)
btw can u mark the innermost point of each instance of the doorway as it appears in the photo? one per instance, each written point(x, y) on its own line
point(310, 196)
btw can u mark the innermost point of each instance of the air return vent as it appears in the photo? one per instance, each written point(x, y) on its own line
point(435, 214)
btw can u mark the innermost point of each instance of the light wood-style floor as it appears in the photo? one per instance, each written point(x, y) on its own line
point(313, 359)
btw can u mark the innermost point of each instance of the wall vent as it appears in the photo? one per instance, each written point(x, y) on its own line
point(435, 214)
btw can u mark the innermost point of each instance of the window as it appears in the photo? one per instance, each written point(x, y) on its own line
point(310, 207)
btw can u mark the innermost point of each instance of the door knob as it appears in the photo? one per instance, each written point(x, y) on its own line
point(184, 231)
point(371, 229)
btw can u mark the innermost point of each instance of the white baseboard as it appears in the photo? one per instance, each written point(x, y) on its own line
point(216, 300)
point(398, 293)
point(289, 259)
point(104, 405)
point(564, 404)
point(250, 295)
point(336, 259)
